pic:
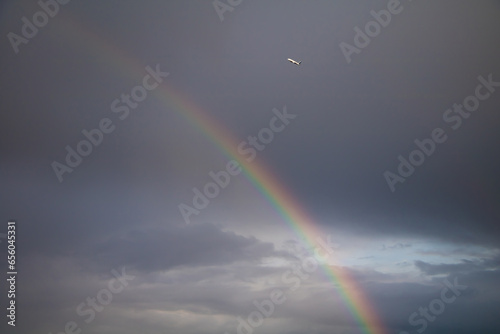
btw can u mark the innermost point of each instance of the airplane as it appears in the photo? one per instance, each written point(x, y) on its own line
point(294, 62)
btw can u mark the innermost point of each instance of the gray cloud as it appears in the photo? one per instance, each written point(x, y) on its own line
point(151, 250)
point(465, 266)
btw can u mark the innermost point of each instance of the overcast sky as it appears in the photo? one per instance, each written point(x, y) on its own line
point(371, 136)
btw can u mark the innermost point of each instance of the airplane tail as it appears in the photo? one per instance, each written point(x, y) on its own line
point(300, 61)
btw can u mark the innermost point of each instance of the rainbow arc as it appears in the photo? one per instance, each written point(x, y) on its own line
point(264, 181)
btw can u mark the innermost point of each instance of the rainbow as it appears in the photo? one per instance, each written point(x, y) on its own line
point(266, 183)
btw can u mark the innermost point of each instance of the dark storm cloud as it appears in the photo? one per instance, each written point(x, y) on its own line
point(200, 269)
point(355, 120)
point(150, 250)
